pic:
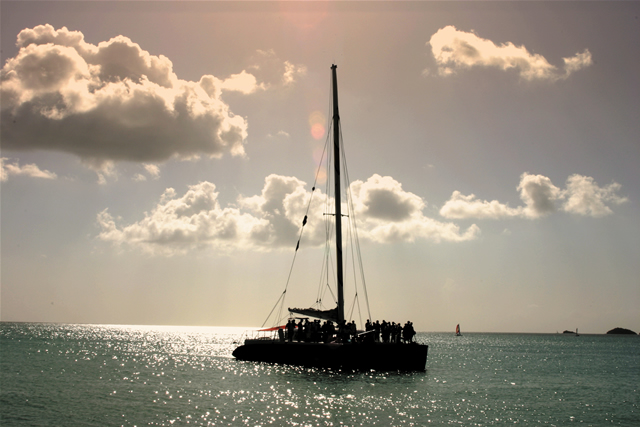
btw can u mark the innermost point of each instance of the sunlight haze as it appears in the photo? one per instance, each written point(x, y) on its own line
point(158, 158)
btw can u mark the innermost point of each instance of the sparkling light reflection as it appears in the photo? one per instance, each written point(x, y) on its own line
point(179, 375)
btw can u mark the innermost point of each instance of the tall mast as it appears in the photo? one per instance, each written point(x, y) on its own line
point(336, 171)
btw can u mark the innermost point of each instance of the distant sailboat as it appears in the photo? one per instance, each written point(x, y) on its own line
point(577, 332)
point(458, 334)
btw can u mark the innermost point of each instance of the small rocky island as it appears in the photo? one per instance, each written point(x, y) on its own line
point(621, 331)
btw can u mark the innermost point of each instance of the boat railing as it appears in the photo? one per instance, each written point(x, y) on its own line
point(261, 335)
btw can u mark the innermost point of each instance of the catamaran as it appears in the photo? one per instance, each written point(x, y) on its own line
point(343, 351)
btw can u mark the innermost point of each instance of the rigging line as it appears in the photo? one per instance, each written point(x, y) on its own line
point(315, 181)
point(329, 223)
point(359, 310)
point(351, 230)
point(329, 267)
point(324, 272)
point(281, 319)
point(274, 307)
point(353, 262)
point(355, 229)
point(364, 283)
point(281, 299)
point(323, 275)
point(353, 305)
point(329, 146)
point(351, 235)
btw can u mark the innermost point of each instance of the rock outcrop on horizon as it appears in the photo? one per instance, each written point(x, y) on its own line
point(621, 331)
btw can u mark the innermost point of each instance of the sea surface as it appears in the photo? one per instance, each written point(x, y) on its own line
point(109, 375)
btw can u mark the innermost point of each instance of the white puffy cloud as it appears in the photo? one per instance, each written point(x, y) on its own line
point(539, 195)
point(115, 101)
point(582, 196)
point(383, 198)
point(272, 219)
point(244, 83)
point(387, 213)
point(585, 197)
point(31, 170)
point(177, 224)
point(460, 206)
point(281, 207)
point(454, 49)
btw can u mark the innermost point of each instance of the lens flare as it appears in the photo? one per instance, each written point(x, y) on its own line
point(321, 169)
point(317, 131)
point(317, 121)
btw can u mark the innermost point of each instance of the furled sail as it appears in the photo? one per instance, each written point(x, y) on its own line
point(331, 315)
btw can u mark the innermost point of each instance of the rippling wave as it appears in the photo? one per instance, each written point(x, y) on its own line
point(54, 374)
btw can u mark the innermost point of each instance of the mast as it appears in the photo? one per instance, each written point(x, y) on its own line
point(336, 171)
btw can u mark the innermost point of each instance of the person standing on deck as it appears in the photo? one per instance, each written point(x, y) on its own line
point(291, 328)
point(299, 332)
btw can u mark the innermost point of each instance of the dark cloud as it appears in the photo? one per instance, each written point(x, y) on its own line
point(110, 102)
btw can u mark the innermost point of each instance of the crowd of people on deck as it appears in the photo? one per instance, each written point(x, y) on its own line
point(346, 332)
point(391, 332)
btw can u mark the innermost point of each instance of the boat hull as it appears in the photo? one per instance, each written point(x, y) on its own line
point(358, 357)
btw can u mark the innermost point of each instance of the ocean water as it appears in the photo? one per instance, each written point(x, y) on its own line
point(106, 375)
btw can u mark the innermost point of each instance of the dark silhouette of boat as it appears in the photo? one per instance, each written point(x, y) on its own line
point(358, 351)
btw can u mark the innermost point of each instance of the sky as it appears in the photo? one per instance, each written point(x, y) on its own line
point(158, 157)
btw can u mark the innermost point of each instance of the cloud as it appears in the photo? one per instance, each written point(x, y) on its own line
point(460, 206)
point(272, 219)
point(582, 196)
point(116, 102)
point(280, 134)
point(152, 170)
point(30, 170)
point(387, 213)
point(105, 170)
point(455, 50)
point(177, 224)
point(585, 197)
point(383, 198)
point(539, 194)
point(281, 206)
point(292, 72)
point(244, 83)
point(272, 71)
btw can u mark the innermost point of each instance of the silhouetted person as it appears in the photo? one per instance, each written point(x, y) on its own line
point(291, 328)
point(299, 333)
